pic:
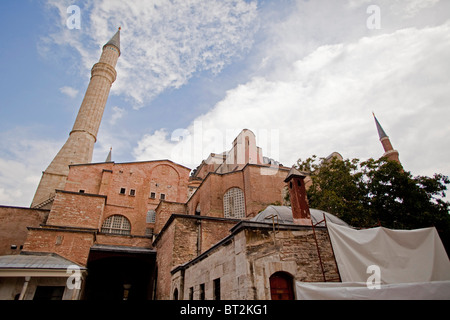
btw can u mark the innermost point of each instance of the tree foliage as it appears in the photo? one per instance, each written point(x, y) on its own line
point(378, 192)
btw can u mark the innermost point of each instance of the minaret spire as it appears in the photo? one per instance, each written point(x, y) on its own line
point(79, 147)
point(381, 132)
point(109, 157)
point(389, 151)
point(115, 40)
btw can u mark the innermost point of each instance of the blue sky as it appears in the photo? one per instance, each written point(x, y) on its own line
point(304, 76)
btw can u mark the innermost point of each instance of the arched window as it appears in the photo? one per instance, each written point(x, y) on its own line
point(281, 286)
point(116, 225)
point(234, 204)
point(198, 210)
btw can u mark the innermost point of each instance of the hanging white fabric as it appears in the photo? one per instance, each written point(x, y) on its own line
point(436, 290)
point(402, 256)
point(381, 263)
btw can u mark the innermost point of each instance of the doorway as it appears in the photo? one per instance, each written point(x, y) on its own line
point(118, 276)
point(281, 286)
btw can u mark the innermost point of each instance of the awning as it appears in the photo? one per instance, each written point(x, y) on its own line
point(36, 264)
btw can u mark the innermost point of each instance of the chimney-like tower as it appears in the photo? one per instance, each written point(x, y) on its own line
point(79, 147)
point(389, 151)
point(299, 202)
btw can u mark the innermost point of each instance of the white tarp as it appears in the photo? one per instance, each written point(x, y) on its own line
point(381, 263)
point(436, 290)
point(403, 256)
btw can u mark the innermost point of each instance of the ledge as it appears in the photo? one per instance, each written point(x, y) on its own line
point(82, 194)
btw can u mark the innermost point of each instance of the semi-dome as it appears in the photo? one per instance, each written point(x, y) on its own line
point(284, 214)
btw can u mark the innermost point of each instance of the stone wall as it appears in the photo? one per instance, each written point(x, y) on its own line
point(183, 239)
point(246, 261)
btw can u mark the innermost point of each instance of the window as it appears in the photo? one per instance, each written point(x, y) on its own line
point(116, 225)
point(152, 195)
point(151, 216)
point(202, 291)
point(234, 204)
point(81, 191)
point(163, 196)
point(132, 192)
point(198, 210)
point(191, 293)
point(217, 289)
point(122, 191)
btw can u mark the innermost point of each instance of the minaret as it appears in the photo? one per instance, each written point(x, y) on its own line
point(389, 151)
point(79, 147)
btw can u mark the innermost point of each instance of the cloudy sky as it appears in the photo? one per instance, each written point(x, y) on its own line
point(304, 76)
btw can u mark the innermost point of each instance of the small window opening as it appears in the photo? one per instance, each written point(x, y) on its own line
point(217, 289)
point(202, 291)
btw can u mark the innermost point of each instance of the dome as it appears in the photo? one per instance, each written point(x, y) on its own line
point(284, 214)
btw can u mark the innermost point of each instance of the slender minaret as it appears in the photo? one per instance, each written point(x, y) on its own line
point(79, 147)
point(389, 151)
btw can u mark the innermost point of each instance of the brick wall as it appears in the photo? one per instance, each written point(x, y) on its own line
point(138, 180)
point(163, 212)
point(261, 185)
point(13, 226)
point(73, 209)
point(70, 244)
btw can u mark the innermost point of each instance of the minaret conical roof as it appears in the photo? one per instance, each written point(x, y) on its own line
point(108, 158)
point(115, 40)
point(381, 132)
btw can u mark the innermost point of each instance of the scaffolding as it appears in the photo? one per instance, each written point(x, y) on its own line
point(325, 279)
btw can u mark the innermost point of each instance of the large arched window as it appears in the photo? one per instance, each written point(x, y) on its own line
point(234, 204)
point(281, 286)
point(116, 225)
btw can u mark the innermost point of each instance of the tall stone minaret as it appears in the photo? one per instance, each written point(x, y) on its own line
point(79, 146)
point(389, 151)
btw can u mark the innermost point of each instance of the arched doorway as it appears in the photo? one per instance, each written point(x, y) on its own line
point(281, 286)
point(115, 275)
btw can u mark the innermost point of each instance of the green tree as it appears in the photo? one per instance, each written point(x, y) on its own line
point(378, 192)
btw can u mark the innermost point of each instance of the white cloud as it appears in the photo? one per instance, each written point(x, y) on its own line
point(410, 8)
point(69, 91)
point(323, 102)
point(155, 146)
point(21, 167)
point(117, 113)
point(163, 42)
